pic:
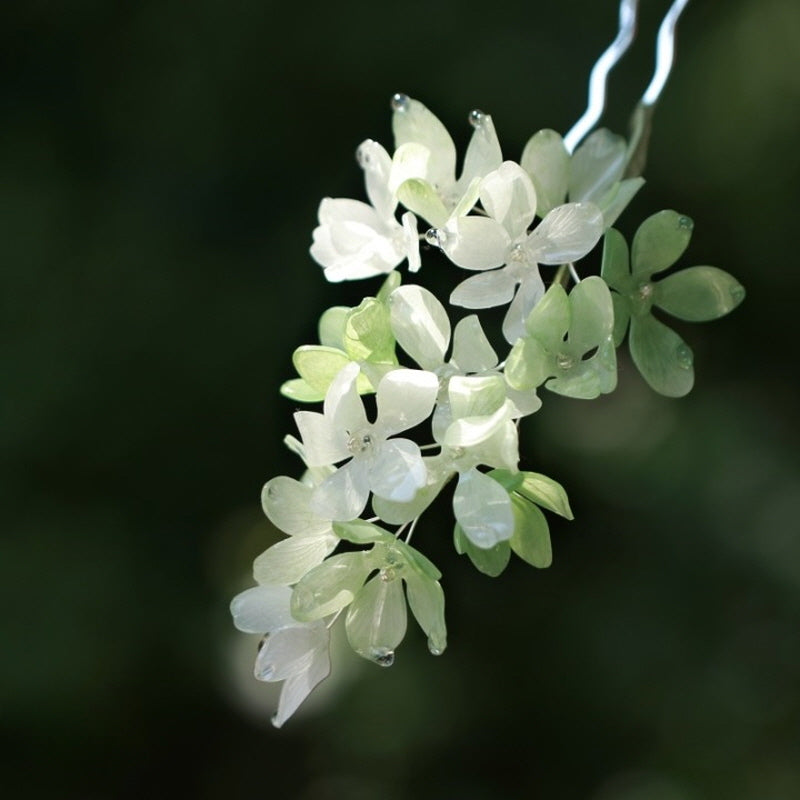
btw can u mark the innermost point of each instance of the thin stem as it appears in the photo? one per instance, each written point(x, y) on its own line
point(411, 529)
point(573, 272)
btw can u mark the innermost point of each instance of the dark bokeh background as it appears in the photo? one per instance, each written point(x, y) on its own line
point(160, 169)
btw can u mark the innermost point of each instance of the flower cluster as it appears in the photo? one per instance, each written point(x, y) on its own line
point(506, 222)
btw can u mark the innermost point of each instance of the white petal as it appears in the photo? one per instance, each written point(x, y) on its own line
point(343, 406)
point(483, 509)
point(471, 349)
point(323, 443)
point(297, 688)
point(476, 242)
point(398, 471)
point(566, 234)
point(415, 123)
point(507, 195)
point(411, 241)
point(483, 153)
point(287, 561)
point(405, 397)
point(596, 165)
point(290, 651)
point(342, 496)
point(410, 161)
point(286, 503)
point(472, 431)
point(476, 395)
point(262, 609)
point(420, 324)
point(377, 165)
point(530, 291)
point(485, 290)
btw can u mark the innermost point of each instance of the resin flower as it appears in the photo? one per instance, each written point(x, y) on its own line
point(296, 653)
point(358, 240)
point(390, 468)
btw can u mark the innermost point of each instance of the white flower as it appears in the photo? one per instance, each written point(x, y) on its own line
point(294, 652)
point(501, 239)
point(423, 171)
point(394, 468)
point(357, 240)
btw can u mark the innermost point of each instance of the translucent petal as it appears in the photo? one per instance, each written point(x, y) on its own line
point(343, 406)
point(420, 325)
point(501, 447)
point(485, 290)
point(367, 333)
point(286, 562)
point(330, 586)
point(343, 495)
point(405, 398)
point(587, 379)
point(377, 164)
point(469, 194)
point(615, 269)
point(411, 240)
point(262, 609)
point(622, 315)
point(698, 294)
point(398, 471)
point(299, 391)
point(415, 123)
point(360, 531)
point(469, 432)
point(531, 539)
point(530, 292)
point(419, 196)
point(546, 160)
point(323, 443)
point(399, 513)
point(490, 561)
point(286, 503)
point(545, 492)
point(426, 600)
point(290, 651)
point(476, 395)
point(410, 161)
point(483, 153)
point(476, 243)
point(297, 688)
point(549, 320)
point(331, 327)
point(508, 196)
point(662, 357)
point(596, 165)
point(528, 364)
point(472, 351)
point(659, 242)
point(592, 314)
point(483, 509)
point(525, 402)
point(616, 199)
point(566, 234)
point(376, 620)
point(319, 365)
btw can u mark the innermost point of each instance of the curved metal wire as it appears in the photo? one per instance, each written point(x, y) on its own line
point(665, 53)
point(599, 74)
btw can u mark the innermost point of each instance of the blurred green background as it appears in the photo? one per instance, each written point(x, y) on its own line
point(160, 169)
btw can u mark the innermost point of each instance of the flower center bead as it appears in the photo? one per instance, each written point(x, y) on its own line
point(565, 361)
point(359, 442)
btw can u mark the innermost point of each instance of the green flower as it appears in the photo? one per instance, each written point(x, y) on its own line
point(696, 294)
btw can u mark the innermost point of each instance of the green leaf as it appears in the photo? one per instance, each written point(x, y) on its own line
point(531, 539)
point(360, 531)
point(698, 294)
point(546, 159)
point(491, 561)
point(393, 280)
point(417, 561)
point(659, 242)
point(510, 481)
point(662, 357)
point(545, 492)
point(615, 269)
point(368, 334)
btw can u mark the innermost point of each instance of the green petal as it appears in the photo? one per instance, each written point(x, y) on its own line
point(596, 165)
point(615, 269)
point(549, 320)
point(367, 333)
point(376, 620)
point(622, 315)
point(419, 196)
point(592, 314)
point(482, 509)
point(301, 392)
point(319, 365)
point(698, 294)
point(475, 395)
point(616, 199)
point(426, 600)
point(418, 563)
point(393, 280)
point(360, 531)
point(528, 364)
point(490, 561)
point(329, 587)
point(531, 538)
point(662, 357)
point(659, 242)
point(546, 160)
point(331, 327)
point(545, 492)
point(582, 381)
